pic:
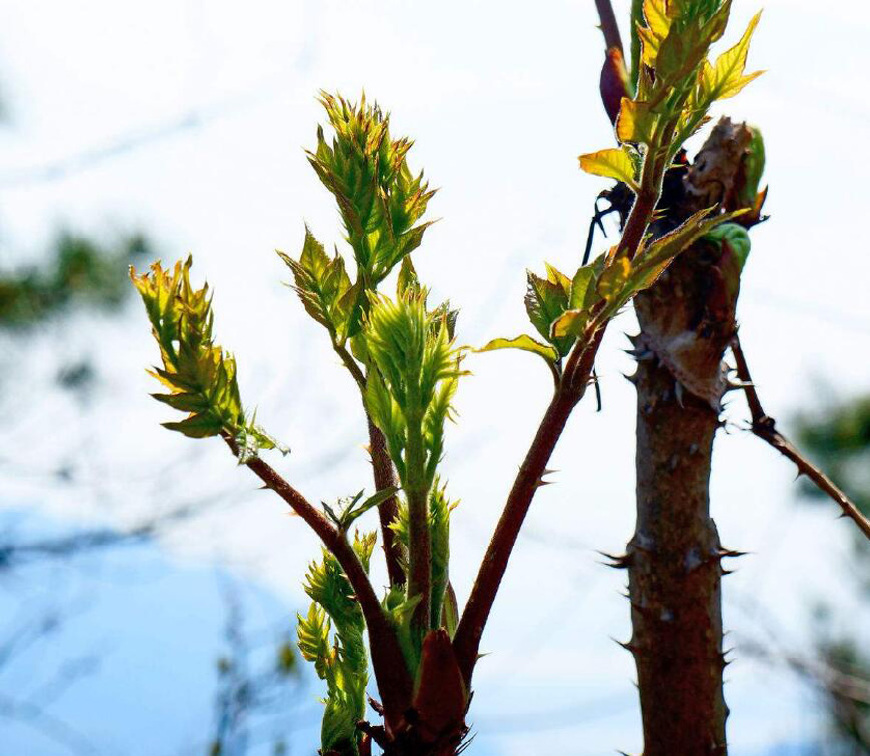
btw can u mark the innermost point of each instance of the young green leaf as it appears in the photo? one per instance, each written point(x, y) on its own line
point(655, 31)
point(440, 509)
point(525, 343)
point(636, 123)
point(727, 76)
point(735, 236)
point(546, 299)
point(324, 288)
point(753, 169)
point(613, 163)
point(350, 510)
point(342, 663)
point(417, 370)
point(200, 377)
point(378, 197)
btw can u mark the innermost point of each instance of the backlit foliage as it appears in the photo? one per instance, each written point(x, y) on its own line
point(200, 377)
point(676, 85)
point(405, 361)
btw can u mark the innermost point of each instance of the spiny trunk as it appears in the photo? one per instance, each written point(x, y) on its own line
point(674, 573)
point(674, 559)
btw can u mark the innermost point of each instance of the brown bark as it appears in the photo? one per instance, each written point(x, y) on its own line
point(674, 565)
point(674, 559)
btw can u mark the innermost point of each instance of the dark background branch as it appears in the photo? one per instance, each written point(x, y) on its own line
point(764, 426)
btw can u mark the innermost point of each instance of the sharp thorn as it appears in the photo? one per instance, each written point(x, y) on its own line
point(731, 553)
point(678, 393)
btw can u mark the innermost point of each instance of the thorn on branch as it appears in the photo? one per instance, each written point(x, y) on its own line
point(622, 562)
point(764, 426)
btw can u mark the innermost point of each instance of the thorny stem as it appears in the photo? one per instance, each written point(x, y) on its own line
point(764, 426)
point(394, 682)
point(609, 27)
point(575, 378)
point(466, 642)
point(384, 477)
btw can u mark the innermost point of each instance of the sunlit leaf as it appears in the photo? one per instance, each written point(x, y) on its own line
point(726, 77)
point(580, 286)
point(546, 299)
point(525, 343)
point(571, 323)
point(655, 30)
point(200, 376)
point(636, 122)
point(613, 163)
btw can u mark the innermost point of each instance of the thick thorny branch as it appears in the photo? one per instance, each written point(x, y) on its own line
point(764, 426)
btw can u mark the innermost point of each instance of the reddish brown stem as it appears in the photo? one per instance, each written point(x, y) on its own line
point(609, 27)
point(384, 477)
point(394, 682)
point(764, 426)
point(466, 642)
point(388, 511)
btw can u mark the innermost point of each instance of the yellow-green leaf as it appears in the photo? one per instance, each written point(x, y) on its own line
point(658, 24)
point(613, 163)
point(635, 122)
point(614, 278)
point(526, 343)
point(556, 276)
point(570, 323)
point(726, 78)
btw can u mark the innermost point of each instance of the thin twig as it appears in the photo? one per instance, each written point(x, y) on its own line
point(36, 717)
point(764, 426)
point(394, 682)
point(609, 27)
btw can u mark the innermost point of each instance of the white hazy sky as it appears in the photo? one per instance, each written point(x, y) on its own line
point(209, 105)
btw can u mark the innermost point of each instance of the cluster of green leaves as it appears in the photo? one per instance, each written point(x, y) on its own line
point(409, 393)
point(331, 636)
point(201, 378)
point(80, 272)
point(676, 84)
point(566, 310)
point(402, 354)
point(379, 199)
